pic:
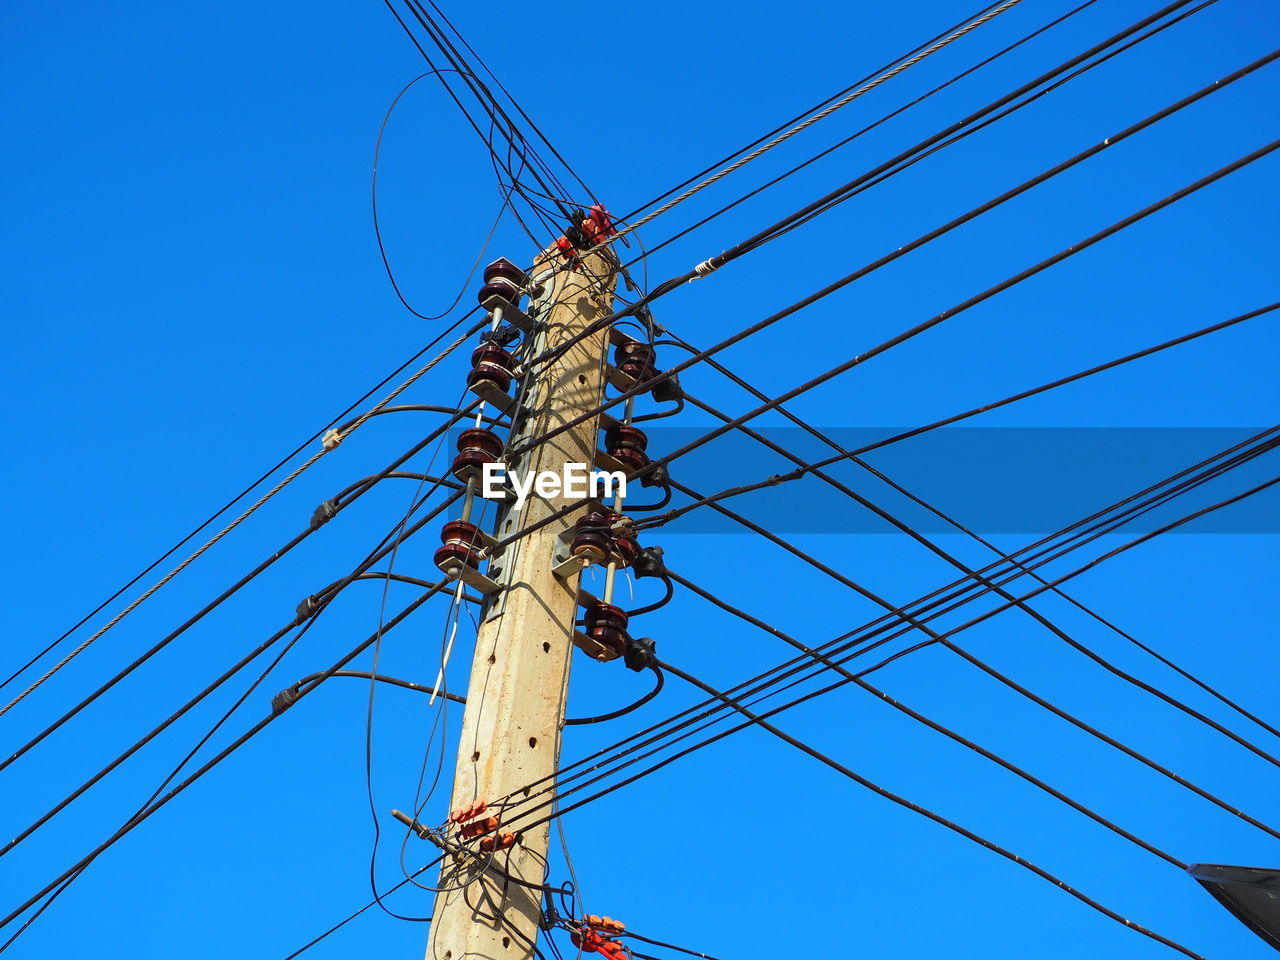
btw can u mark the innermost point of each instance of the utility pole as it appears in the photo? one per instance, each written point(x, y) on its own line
point(520, 672)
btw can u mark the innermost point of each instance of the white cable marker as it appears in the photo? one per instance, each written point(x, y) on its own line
point(448, 647)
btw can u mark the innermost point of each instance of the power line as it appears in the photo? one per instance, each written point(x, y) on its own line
point(777, 479)
point(323, 515)
point(307, 614)
point(949, 558)
point(823, 114)
point(816, 107)
point(896, 340)
point(760, 721)
point(928, 148)
point(238, 497)
point(158, 803)
point(933, 725)
point(331, 444)
point(1208, 468)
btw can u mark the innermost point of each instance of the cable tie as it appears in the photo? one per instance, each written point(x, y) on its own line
point(704, 268)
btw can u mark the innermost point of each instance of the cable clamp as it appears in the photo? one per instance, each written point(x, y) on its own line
point(283, 700)
point(649, 563)
point(331, 440)
point(640, 653)
point(704, 268)
point(327, 510)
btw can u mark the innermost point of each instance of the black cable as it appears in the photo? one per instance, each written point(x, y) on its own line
point(236, 499)
point(342, 923)
point(436, 71)
point(377, 229)
point(932, 724)
point(659, 680)
point(935, 637)
point(926, 325)
point(666, 946)
point(760, 721)
point(380, 678)
point(193, 777)
point(528, 119)
point(669, 591)
point(814, 109)
point(1265, 441)
point(1040, 618)
point(208, 608)
point(677, 282)
point(902, 163)
point(322, 600)
point(777, 479)
point(769, 232)
point(881, 121)
point(486, 102)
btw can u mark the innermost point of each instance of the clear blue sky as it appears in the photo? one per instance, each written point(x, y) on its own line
point(194, 287)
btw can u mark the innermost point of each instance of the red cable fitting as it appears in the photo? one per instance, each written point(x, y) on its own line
point(478, 828)
point(604, 923)
point(500, 842)
point(598, 225)
point(588, 939)
point(468, 813)
point(566, 248)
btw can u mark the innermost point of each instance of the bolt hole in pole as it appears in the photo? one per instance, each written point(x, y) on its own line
point(533, 741)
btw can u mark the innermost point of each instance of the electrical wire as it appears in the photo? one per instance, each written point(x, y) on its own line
point(822, 114)
point(760, 721)
point(844, 367)
point(751, 243)
point(161, 801)
point(297, 472)
point(234, 500)
point(204, 611)
point(1128, 509)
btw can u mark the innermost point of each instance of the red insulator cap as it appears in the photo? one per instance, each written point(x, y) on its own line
point(565, 247)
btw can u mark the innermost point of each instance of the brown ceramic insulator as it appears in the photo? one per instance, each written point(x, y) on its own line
point(476, 447)
point(460, 546)
point(607, 626)
point(493, 364)
point(635, 359)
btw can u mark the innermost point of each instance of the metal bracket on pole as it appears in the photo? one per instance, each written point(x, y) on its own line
point(510, 313)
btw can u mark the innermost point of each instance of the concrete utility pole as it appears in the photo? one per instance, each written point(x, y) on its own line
point(520, 673)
